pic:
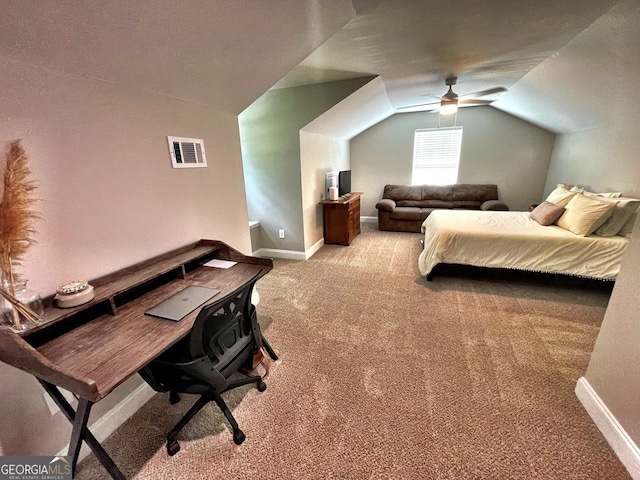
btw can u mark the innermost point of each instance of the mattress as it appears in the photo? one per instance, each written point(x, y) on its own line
point(512, 240)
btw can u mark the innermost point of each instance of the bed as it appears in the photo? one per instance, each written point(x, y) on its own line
point(512, 240)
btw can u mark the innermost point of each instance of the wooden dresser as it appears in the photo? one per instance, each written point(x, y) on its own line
point(342, 219)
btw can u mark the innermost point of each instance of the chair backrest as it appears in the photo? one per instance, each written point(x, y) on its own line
point(227, 333)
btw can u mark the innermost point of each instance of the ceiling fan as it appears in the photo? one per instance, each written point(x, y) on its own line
point(451, 101)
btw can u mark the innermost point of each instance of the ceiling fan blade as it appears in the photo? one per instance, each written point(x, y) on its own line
point(483, 93)
point(426, 107)
point(473, 102)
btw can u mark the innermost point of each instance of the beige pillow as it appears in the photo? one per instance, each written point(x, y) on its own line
point(587, 193)
point(561, 196)
point(584, 214)
point(622, 211)
point(625, 231)
point(546, 213)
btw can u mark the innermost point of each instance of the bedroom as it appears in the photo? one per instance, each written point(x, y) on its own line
point(71, 124)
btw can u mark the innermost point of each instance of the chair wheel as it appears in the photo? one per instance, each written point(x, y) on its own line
point(173, 398)
point(238, 436)
point(261, 386)
point(173, 448)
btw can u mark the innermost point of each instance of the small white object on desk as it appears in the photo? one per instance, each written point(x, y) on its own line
point(219, 263)
point(72, 294)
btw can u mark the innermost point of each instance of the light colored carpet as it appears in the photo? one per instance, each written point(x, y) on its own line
point(384, 375)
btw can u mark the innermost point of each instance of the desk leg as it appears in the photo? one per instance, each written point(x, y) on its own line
point(269, 349)
point(80, 431)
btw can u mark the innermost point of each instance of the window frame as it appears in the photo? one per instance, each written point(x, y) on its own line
point(444, 154)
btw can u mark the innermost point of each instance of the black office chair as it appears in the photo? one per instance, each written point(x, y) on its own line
point(223, 341)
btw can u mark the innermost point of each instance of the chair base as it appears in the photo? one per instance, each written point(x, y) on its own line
point(239, 437)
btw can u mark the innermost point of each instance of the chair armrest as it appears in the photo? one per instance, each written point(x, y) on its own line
point(494, 205)
point(386, 204)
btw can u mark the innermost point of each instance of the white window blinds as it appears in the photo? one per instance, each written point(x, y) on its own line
point(436, 155)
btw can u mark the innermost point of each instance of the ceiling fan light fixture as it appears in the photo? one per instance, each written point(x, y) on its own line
point(449, 101)
point(448, 107)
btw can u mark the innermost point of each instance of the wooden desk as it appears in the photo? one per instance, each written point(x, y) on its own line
point(91, 349)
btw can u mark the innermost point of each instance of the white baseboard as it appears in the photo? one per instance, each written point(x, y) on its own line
point(314, 248)
point(277, 253)
point(110, 421)
point(620, 442)
point(289, 254)
point(368, 219)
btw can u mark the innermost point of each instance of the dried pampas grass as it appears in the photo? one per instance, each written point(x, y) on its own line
point(16, 215)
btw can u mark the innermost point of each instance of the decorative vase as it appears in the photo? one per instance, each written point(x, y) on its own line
point(6, 312)
point(30, 298)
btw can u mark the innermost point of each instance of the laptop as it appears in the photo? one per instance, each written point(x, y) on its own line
point(180, 304)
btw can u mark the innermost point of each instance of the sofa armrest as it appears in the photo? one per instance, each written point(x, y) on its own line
point(493, 205)
point(386, 204)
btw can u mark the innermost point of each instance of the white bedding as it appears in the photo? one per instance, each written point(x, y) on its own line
point(512, 240)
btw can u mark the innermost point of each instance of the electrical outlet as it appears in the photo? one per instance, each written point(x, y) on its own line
point(281, 233)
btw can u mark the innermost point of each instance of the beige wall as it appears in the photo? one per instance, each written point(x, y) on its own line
point(602, 159)
point(319, 154)
point(606, 159)
point(90, 93)
point(108, 198)
point(496, 148)
point(270, 134)
point(614, 368)
point(108, 195)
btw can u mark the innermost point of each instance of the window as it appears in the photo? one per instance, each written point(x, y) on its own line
point(436, 155)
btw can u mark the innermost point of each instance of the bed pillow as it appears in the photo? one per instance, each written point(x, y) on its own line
point(546, 213)
point(624, 207)
point(583, 215)
point(587, 193)
point(561, 196)
point(625, 231)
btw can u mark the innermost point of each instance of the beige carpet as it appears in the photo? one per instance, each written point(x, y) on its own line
point(384, 375)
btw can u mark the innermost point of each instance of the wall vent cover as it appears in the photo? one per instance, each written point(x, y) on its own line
point(187, 152)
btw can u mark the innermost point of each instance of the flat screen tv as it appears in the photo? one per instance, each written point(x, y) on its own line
point(344, 182)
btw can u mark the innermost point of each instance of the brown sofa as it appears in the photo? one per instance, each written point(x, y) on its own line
point(403, 208)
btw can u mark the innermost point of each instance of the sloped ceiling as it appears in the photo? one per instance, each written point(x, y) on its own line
point(225, 54)
point(590, 82)
point(552, 55)
point(220, 53)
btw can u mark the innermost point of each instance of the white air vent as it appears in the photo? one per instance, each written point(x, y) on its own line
point(187, 152)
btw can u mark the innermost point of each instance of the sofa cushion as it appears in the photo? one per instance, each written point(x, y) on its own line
point(425, 203)
point(424, 212)
point(469, 191)
point(468, 204)
point(411, 203)
point(405, 213)
point(437, 192)
point(437, 204)
point(402, 192)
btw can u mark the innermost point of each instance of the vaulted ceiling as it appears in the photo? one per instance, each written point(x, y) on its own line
point(552, 55)
point(563, 62)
